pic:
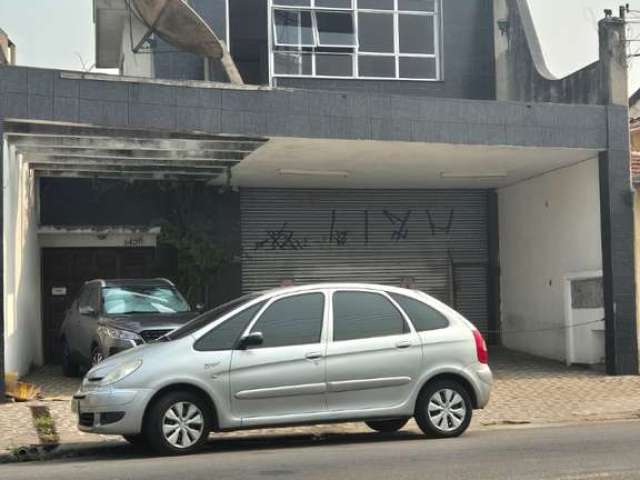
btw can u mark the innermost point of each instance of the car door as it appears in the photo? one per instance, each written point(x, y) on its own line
point(373, 356)
point(286, 374)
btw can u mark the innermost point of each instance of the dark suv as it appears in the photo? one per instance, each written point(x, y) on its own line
point(110, 316)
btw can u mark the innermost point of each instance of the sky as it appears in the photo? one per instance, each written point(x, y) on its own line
point(59, 33)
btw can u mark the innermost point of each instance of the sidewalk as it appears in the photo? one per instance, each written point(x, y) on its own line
point(527, 391)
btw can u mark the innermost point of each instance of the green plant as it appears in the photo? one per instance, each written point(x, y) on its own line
point(198, 258)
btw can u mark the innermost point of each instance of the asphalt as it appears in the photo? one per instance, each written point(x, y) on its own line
point(586, 451)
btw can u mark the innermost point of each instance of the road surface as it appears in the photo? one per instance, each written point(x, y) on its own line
point(587, 451)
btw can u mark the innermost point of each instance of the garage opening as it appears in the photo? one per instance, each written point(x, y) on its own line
point(86, 202)
point(65, 270)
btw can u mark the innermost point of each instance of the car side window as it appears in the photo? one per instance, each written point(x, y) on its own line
point(295, 320)
point(423, 317)
point(365, 315)
point(224, 336)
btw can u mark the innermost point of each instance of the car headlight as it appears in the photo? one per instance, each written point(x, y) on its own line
point(118, 334)
point(120, 372)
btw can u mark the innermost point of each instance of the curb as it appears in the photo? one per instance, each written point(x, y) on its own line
point(34, 453)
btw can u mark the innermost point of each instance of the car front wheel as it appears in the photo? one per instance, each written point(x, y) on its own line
point(443, 409)
point(387, 426)
point(178, 423)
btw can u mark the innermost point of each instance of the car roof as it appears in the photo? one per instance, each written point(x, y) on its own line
point(337, 286)
point(133, 282)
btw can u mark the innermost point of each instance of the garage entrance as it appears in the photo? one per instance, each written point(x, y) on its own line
point(64, 271)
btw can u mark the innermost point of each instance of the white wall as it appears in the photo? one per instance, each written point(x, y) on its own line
point(549, 227)
point(22, 305)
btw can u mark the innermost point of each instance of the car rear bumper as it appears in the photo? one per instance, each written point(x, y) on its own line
point(111, 411)
point(483, 384)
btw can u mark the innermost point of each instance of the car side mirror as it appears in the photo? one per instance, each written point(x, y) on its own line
point(200, 307)
point(87, 310)
point(252, 340)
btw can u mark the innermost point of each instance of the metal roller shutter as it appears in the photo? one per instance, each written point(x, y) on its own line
point(435, 240)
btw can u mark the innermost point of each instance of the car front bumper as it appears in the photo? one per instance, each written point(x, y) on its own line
point(110, 410)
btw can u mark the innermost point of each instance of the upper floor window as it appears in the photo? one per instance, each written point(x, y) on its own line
point(371, 39)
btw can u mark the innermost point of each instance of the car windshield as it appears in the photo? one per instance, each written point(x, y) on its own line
point(209, 317)
point(127, 300)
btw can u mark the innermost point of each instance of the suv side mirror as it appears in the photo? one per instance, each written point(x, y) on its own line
point(87, 310)
point(252, 340)
point(200, 307)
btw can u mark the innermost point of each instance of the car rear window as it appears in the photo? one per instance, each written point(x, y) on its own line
point(423, 317)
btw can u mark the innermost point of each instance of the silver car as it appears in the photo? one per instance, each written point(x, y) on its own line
point(296, 355)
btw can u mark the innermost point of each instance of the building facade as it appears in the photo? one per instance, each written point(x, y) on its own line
point(410, 142)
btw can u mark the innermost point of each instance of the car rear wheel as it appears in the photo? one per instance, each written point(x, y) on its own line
point(387, 426)
point(178, 423)
point(443, 409)
point(69, 366)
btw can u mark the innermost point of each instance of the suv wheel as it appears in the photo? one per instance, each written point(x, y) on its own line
point(443, 409)
point(69, 367)
point(177, 423)
point(387, 426)
point(96, 355)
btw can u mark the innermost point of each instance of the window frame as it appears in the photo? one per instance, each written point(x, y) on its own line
point(218, 324)
point(354, 51)
point(407, 321)
point(272, 300)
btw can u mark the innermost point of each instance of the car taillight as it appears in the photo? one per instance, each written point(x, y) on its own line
point(481, 347)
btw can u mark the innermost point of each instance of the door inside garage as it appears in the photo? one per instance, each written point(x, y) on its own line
point(64, 271)
point(432, 240)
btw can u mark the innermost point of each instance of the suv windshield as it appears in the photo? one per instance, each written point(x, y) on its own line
point(123, 300)
point(209, 317)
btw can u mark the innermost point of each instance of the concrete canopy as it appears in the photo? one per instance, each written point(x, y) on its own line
point(320, 163)
point(69, 150)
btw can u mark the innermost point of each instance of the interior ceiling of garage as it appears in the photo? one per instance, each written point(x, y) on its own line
point(53, 149)
point(56, 149)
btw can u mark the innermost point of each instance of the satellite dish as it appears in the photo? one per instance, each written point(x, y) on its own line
point(180, 25)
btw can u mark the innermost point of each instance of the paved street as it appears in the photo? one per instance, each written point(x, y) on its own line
point(604, 450)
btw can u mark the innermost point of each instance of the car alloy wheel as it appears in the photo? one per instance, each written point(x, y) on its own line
point(96, 356)
point(443, 409)
point(183, 425)
point(446, 410)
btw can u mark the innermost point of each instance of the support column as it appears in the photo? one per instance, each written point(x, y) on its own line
point(493, 270)
point(616, 205)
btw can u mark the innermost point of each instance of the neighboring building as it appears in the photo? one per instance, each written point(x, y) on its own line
point(7, 49)
point(410, 142)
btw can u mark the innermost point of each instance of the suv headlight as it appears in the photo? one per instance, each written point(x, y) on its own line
point(120, 372)
point(118, 334)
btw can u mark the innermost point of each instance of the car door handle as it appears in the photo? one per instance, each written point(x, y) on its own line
point(403, 344)
point(313, 355)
